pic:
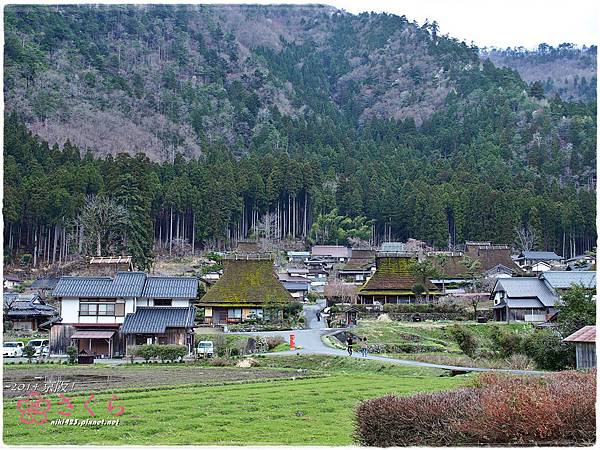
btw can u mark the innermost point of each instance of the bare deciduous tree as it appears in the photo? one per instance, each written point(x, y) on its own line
point(525, 238)
point(102, 220)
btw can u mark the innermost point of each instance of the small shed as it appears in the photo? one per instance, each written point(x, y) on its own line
point(351, 315)
point(585, 346)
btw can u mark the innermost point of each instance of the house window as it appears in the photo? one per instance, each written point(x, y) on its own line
point(162, 302)
point(88, 309)
point(234, 313)
point(255, 312)
point(97, 309)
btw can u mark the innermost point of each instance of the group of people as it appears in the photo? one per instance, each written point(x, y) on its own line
point(364, 347)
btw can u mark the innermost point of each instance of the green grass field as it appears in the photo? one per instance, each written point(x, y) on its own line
point(316, 411)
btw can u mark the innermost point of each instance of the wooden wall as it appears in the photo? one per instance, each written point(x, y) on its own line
point(586, 355)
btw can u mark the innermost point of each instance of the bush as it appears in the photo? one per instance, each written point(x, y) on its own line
point(557, 409)
point(465, 339)
point(146, 351)
point(72, 352)
point(171, 352)
point(548, 350)
point(418, 420)
point(274, 341)
point(28, 352)
point(507, 342)
point(312, 297)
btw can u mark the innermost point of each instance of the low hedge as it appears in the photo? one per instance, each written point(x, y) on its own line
point(163, 352)
point(403, 348)
point(556, 409)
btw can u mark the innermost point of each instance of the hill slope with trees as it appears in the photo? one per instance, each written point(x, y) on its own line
point(212, 124)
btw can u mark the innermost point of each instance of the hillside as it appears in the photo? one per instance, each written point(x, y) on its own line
point(169, 79)
point(288, 123)
point(566, 70)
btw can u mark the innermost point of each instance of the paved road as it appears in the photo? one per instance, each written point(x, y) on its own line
point(310, 342)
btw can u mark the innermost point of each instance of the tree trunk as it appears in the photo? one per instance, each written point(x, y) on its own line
point(171, 234)
point(98, 245)
point(193, 231)
point(35, 248)
point(55, 243)
point(305, 225)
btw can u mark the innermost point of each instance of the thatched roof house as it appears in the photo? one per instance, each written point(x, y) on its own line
point(392, 282)
point(247, 285)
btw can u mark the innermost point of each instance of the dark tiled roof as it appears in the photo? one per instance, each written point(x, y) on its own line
point(20, 305)
point(44, 283)
point(526, 287)
point(170, 287)
point(543, 256)
point(157, 319)
point(127, 284)
point(247, 281)
point(393, 274)
point(295, 286)
point(567, 278)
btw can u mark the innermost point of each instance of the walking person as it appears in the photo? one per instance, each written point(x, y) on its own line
point(350, 342)
point(364, 347)
point(318, 316)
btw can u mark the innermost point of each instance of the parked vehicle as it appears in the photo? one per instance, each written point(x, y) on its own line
point(205, 349)
point(12, 349)
point(38, 345)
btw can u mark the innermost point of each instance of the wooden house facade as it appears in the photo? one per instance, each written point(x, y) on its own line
point(94, 309)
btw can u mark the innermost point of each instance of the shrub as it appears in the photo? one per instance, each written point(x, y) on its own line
point(171, 352)
point(132, 352)
point(422, 419)
point(274, 341)
point(507, 342)
point(548, 350)
point(146, 351)
point(312, 297)
point(557, 409)
point(28, 352)
point(72, 352)
point(465, 339)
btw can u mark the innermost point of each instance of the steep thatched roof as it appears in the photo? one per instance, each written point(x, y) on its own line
point(247, 282)
point(454, 267)
point(361, 259)
point(492, 255)
point(392, 276)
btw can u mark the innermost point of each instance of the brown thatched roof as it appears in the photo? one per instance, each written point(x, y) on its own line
point(393, 274)
point(454, 268)
point(360, 259)
point(340, 290)
point(492, 255)
point(248, 247)
point(248, 282)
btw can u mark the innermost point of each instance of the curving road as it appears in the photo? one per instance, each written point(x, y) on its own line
point(310, 341)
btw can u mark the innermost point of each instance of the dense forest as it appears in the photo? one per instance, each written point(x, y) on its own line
point(567, 70)
point(305, 123)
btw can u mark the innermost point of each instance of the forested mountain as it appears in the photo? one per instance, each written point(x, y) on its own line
point(566, 70)
point(258, 120)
